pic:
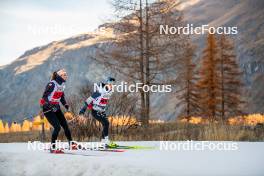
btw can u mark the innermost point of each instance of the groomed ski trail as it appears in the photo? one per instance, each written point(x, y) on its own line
point(15, 159)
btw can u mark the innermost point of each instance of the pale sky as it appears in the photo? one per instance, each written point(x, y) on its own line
point(25, 24)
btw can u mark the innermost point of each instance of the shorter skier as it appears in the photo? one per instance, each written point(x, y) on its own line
point(97, 103)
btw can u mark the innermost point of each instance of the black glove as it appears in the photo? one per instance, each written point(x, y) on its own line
point(50, 107)
point(82, 111)
point(54, 108)
point(46, 105)
point(66, 107)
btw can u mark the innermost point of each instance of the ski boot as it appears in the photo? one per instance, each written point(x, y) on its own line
point(107, 143)
point(56, 151)
point(111, 145)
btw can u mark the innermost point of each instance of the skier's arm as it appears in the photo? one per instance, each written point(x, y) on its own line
point(89, 101)
point(48, 90)
point(63, 102)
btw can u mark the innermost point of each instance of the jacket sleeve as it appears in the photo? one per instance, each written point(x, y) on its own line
point(92, 97)
point(88, 101)
point(63, 100)
point(48, 91)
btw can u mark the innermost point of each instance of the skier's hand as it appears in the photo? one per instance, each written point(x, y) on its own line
point(46, 105)
point(54, 108)
point(82, 111)
point(66, 107)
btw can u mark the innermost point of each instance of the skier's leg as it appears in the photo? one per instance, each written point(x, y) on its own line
point(105, 124)
point(64, 125)
point(53, 120)
point(101, 117)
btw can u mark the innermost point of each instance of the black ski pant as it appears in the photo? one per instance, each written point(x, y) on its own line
point(101, 117)
point(57, 120)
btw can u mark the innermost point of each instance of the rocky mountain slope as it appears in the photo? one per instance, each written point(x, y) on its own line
point(23, 81)
point(248, 16)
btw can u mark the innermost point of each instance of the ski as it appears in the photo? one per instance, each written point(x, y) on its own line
point(105, 149)
point(82, 153)
point(77, 152)
point(113, 147)
point(116, 146)
point(94, 149)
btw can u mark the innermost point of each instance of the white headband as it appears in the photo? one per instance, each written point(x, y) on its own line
point(62, 71)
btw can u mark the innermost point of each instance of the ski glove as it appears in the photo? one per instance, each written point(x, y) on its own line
point(46, 105)
point(50, 106)
point(82, 111)
point(53, 108)
point(66, 107)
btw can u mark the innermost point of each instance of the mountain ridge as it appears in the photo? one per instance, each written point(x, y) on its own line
point(24, 79)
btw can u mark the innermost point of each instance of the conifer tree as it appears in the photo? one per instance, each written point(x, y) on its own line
point(231, 84)
point(209, 85)
point(188, 97)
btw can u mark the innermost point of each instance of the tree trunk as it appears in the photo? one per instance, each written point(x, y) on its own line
point(147, 65)
point(142, 94)
point(222, 83)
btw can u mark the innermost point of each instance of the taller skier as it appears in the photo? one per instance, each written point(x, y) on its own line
point(97, 103)
point(50, 103)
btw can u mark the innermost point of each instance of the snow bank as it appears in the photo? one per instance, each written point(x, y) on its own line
point(15, 159)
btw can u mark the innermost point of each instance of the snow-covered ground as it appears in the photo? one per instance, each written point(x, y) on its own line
point(246, 159)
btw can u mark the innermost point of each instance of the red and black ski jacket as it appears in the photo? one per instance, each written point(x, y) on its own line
point(53, 94)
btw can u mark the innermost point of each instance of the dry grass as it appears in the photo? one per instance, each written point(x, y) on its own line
point(90, 131)
point(21, 136)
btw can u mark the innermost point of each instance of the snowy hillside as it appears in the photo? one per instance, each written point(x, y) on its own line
point(247, 160)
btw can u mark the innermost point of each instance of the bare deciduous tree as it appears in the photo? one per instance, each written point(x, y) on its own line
point(138, 50)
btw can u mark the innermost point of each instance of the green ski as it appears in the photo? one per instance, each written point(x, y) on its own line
point(116, 146)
